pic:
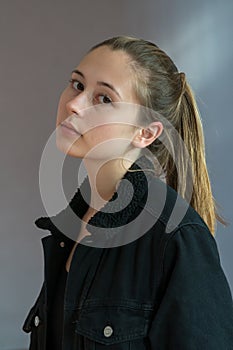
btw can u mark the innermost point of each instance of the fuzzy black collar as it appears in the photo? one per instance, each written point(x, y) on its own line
point(125, 204)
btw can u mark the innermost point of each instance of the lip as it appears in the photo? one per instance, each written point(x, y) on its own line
point(70, 127)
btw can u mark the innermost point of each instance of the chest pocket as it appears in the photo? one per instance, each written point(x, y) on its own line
point(119, 326)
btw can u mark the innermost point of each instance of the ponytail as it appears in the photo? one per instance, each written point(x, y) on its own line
point(191, 130)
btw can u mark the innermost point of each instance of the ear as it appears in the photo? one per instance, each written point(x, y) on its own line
point(144, 137)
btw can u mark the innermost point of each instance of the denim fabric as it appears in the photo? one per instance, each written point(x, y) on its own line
point(165, 290)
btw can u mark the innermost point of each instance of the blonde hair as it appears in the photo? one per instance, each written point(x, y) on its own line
point(160, 87)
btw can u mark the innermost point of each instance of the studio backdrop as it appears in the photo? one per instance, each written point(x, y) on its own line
point(41, 42)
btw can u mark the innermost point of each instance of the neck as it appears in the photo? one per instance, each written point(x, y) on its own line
point(104, 179)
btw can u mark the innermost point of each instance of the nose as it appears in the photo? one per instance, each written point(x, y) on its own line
point(78, 104)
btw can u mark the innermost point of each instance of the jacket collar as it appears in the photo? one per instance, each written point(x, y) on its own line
point(117, 212)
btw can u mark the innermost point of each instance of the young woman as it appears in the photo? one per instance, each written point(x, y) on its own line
point(131, 262)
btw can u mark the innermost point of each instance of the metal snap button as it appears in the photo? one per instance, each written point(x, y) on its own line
point(36, 321)
point(62, 244)
point(108, 331)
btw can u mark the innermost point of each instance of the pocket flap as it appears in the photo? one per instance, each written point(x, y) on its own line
point(109, 324)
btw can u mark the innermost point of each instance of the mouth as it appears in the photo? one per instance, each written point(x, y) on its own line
point(69, 127)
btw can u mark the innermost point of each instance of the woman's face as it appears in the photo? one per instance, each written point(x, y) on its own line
point(90, 103)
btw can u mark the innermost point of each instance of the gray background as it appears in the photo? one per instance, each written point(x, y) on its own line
point(41, 42)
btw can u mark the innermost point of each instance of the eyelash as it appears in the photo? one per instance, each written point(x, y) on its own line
point(72, 81)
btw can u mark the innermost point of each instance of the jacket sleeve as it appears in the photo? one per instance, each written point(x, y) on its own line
point(195, 310)
point(36, 310)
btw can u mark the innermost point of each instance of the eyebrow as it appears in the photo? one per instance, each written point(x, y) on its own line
point(110, 86)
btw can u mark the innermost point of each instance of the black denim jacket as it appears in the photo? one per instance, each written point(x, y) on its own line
point(148, 276)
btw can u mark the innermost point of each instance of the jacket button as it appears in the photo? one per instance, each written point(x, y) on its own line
point(36, 321)
point(62, 244)
point(108, 331)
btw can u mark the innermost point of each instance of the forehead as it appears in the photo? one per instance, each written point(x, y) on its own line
point(106, 59)
point(104, 64)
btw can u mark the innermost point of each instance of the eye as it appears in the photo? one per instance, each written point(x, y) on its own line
point(76, 85)
point(104, 99)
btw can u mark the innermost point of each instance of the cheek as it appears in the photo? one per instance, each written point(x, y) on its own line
point(110, 132)
point(110, 141)
point(98, 134)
